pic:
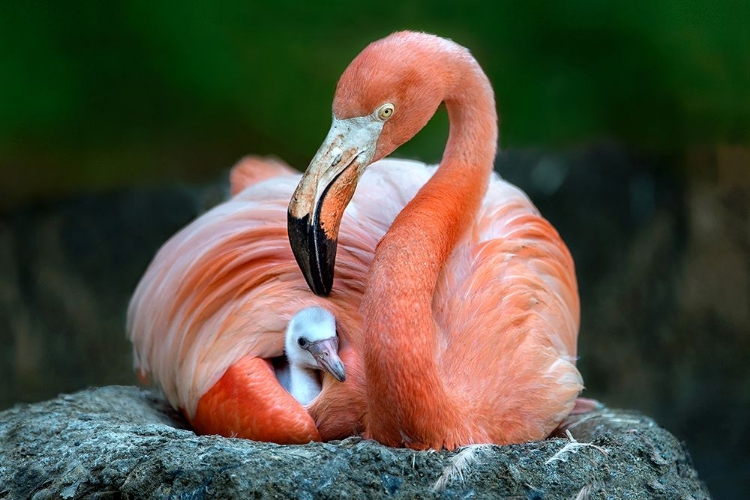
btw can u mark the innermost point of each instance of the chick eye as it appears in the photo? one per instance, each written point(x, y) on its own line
point(385, 111)
point(302, 342)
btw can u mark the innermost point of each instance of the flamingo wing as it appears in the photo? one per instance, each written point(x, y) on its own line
point(253, 169)
point(213, 306)
point(507, 308)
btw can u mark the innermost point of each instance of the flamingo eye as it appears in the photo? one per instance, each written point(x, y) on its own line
point(302, 342)
point(385, 111)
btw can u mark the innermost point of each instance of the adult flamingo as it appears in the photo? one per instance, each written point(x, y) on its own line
point(470, 309)
point(213, 305)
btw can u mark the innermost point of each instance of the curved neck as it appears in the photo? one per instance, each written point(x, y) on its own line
point(400, 331)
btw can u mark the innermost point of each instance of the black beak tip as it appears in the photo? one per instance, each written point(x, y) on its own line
point(314, 252)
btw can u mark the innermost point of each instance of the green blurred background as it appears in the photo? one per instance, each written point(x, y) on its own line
point(628, 123)
point(101, 94)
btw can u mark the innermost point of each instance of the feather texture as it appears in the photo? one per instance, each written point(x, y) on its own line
point(225, 287)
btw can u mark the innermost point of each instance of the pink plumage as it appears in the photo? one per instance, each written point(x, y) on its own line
point(474, 305)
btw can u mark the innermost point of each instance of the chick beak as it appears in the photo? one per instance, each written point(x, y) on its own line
point(326, 355)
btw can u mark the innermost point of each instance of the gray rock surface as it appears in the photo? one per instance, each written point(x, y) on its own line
point(123, 442)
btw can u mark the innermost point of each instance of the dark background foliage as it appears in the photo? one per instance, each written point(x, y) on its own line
point(627, 123)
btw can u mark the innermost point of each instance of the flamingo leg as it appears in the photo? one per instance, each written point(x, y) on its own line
point(248, 402)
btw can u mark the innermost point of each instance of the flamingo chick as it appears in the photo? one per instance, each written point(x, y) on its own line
point(311, 345)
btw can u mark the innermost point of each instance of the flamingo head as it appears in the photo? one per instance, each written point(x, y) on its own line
point(386, 95)
point(311, 342)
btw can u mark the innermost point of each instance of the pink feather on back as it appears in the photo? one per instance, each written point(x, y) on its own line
point(227, 284)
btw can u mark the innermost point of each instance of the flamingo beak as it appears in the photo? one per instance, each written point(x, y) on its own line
point(326, 355)
point(326, 188)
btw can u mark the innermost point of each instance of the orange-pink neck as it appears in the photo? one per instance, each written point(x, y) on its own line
point(406, 396)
